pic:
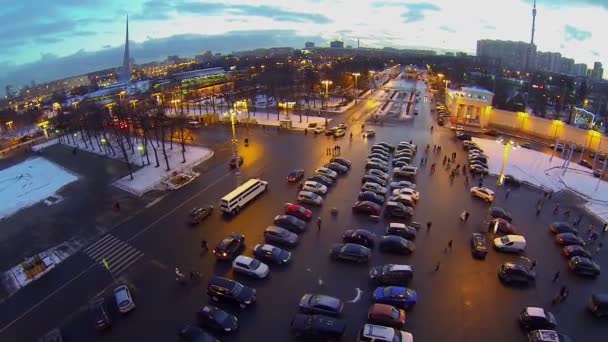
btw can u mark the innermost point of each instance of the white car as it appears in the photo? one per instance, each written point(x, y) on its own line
point(483, 193)
point(319, 130)
point(407, 191)
point(402, 184)
point(406, 144)
point(309, 198)
point(323, 171)
point(368, 133)
point(377, 160)
point(404, 153)
point(406, 200)
point(315, 187)
point(124, 300)
point(380, 333)
point(373, 187)
point(405, 171)
point(250, 266)
point(378, 173)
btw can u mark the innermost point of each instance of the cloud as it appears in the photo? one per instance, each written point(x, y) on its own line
point(447, 29)
point(595, 53)
point(571, 3)
point(415, 11)
point(573, 33)
point(489, 27)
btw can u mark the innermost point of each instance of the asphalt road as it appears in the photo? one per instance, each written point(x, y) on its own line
point(463, 301)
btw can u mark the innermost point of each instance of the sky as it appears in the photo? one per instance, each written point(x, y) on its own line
point(44, 40)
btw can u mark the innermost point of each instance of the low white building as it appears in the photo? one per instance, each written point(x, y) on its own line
point(468, 105)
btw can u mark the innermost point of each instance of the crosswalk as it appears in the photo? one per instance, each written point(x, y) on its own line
point(118, 254)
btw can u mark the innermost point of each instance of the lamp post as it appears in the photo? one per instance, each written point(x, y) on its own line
point(356, 74)
point(235, 146)
point(446, 84)
point(327, 83)
point(508, 145)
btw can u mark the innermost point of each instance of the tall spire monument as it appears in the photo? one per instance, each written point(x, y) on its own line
point(533, 22)
point(529, 65)
point(125, 70)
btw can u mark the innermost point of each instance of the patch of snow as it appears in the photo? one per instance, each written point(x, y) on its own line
point(30, 182)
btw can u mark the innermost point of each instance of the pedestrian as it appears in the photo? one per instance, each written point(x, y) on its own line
point(507, 193)
point(556, 276)
point(421, 161)
point(204, 245)
point(590, 229)
point(411, 143)
point(433, 168)
point(550, 194)
point(438, 148)
point(444, 160)
point(538, 207)
point(437, 266)
point(434, 148)
point(480, 182)
point(450, 244)
point(545, 194)
point(428, 226)
point(464, 169)
point(466, 179)
point(533, 265)
point(605, 227)
point(564, 293)
point(319, 223)
point(556, 208)
point(567, 212)
point(578, 220)
point(116, 206)
point(431, 128)
point(339, 149)
point(453, 156)
point(538, 202)
point(466, 216)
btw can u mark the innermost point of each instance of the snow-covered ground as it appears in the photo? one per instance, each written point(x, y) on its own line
point(30, 182)
point(271, 119)
point(541, 170)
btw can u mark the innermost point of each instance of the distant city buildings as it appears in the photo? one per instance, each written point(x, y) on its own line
point(336, 44)
point(512, 55)
point(580, 70)
point(598, 71)
point(548, 61)
point(566, 66)
point(309, 45)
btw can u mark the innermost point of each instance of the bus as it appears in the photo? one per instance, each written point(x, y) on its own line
point(239, 197)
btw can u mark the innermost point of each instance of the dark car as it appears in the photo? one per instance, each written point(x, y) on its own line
point(367, 207)
point(584, 266)
point(567, 239)
point(575, 250)
point(230, 247)
point(220, 288)
point(322, 179)
point(391, 274)
point(342, 161)
point(396, 209)
point(502, 226)
point(463, 136)
point(585, 163)
point(563, 227)
point(377, 166)
point(386, 145)
point(339, 168)
point(512, 181)
point(271, 254)
point(99, 314)
point(378, 155)
point(402, 230)
point(543, 335)
point(498, 212)
point(198, 215)
point(211, 317)
point(319, 327)
point(371, 197)
point(191, 333)
point(534, 318)
point(320, 304)
point(350, 252)
point(295, 175)
point(440, 121)
point(512, 273)
point(373, 179)
point(330, 131)
point(290, 223)
point(235, 161)
point(359, 236)
point(298, 211)
point(386, 315)
point(281, 236)
point(479, 247)
point(396, 244)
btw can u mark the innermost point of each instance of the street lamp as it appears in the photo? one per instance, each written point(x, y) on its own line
point(508, 145)
point(235, 150)
point(446, 83)
point(326, 83)
point(356, 74)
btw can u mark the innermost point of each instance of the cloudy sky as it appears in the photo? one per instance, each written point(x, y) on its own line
point(42, 40)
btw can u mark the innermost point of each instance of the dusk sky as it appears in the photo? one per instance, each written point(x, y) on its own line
point(42, 40)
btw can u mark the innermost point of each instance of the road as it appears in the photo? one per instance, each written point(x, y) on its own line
point(463, 301)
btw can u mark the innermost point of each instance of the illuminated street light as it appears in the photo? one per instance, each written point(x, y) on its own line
point(356, 74)
point(508, 145)
point(235, 150)
point(327, 83)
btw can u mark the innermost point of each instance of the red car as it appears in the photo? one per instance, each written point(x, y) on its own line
point(298, 211)
point(502, 226)
point(367, 207)
point(385, 314)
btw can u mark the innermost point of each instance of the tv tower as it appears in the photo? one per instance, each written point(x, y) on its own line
point(533, 22)
point(529, 54)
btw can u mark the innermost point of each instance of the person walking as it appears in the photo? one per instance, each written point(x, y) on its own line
point(605, 227)
point(437, 266)
point(533, 265)
point(556, 208)
point(445, 159)
point(599, 246)
point(466, 216)
point(550, 194)
point(464, 169)
point(480, 182)
point(507, 193)
point(556, 276)
point(319, 223)
point(450, 245)
point(428, 226)
point(433, 168)
point(567, 212)
point(578, 220)
point(204, 245)
point(466, 179)
point(538, 208)
point(590, 229)
point(434, 148)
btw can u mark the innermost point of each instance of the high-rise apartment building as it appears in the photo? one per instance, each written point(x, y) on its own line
point(566, 66)
point(598, 71)
point(548, 61)
point(580, 70)
point(512, 54)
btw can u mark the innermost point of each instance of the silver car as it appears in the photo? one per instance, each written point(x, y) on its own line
point(308, 197)
point(373, 187)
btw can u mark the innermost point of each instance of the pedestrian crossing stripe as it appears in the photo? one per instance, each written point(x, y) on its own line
point(110, 250)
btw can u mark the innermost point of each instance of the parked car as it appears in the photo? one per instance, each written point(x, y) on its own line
point(314, 187)
point(463, 136)
point(250, 266)
point(510, 243)
point(479, 247)
point(219, 288)
point(320, 304)
point(575, 250)
point(386, 145)
point(415, 195)
point(377, 166)
point(367, 207)
point(341, 161)
point(407, 160)
point(319, 327)
point(373, 179)
point(282, 236)
point(379, 333)
point(192, 333)
point(199, 214)
point(350, 252)
point(386, 315)
point(215, 318)
point(563, 227)
point(398, 296)
point(308, 197)
point(339, 133)
point(498, 212)
point(295, 175)
point(230, 247)
point(396, 244)
point(99, 314)
point(124, 300)
point(369, 133)
point(406, 200)
point(381, 149)
point(567, 239)
point(378, 173)
point(479, 169)
point(511, 181)
point(534, 318)
point(337, 167)
point(318, 130)
point(290, 223)
point(298, 211)
point(323, 171)
point(598, 304)
point(391, 274)
point(405, 171)
point(547, 336)
point(371, 196)
point(584, 266)
point(374, 187)
point(483, 193)
point(321, 179)
point(402, 230)
point(378, 155)
point(377, 161)
point(271, 254)
point(400, 163)
point(513, 273)
point(502, 226)
point(359, 236)
point(397, 209)
point(402, 184)
point(235, 161)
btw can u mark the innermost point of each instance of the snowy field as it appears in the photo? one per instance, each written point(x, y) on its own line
point(539, 169)
point(30, 182)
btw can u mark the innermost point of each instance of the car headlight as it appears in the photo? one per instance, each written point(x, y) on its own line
point(247, 302)
point(227, 329)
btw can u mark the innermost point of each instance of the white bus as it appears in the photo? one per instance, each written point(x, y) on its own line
point(239, 197)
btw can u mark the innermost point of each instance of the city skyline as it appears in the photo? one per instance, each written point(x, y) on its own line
point(74, 31)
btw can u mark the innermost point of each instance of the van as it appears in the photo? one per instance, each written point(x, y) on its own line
point(598, 304)
point(510, 243)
